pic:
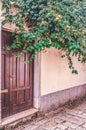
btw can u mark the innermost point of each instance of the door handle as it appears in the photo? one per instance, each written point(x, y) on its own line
point(4, 91)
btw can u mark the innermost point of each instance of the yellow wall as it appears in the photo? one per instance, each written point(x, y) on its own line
point(55, 74)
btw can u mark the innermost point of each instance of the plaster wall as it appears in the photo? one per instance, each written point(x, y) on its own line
point(55, 74)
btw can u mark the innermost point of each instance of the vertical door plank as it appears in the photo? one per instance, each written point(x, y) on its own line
point(11, 81)
point(14, 72)
point(22, 71)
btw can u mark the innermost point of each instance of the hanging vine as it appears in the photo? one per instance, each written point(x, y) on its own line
point(43, 24)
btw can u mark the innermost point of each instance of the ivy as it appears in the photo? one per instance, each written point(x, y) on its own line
point(43, 24)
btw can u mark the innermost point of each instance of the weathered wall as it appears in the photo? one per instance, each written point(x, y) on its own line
point(55, 74)
point(54, 100)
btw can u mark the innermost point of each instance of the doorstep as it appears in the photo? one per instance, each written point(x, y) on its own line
point(19, 116)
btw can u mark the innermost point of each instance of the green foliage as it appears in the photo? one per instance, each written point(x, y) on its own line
point(43, 24)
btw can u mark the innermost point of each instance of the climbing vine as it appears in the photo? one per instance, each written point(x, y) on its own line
point(43, 24)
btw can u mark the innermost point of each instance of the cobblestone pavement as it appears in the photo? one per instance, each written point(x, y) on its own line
point(66, 119)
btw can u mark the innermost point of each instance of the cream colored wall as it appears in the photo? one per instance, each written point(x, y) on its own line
point(55, 74)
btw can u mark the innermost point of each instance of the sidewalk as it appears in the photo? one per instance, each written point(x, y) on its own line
point(73, 118)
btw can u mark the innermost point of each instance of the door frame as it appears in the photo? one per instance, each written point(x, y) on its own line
point(36, 79)
point(0, 73)
point(37, 82)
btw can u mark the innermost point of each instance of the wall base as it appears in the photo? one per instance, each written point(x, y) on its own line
point(54, 100)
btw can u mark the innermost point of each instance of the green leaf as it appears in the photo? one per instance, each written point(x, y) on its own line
point(4, 22)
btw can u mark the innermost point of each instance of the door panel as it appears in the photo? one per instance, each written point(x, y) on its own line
point(5, 85)
point(17, 78)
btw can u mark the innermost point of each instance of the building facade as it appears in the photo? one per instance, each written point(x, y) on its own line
point(43, 85)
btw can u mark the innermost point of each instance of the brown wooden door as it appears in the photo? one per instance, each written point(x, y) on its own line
point(17, 79)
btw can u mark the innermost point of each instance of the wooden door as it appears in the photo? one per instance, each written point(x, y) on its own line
point(17, 81)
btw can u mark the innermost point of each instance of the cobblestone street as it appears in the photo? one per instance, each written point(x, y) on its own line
point(67, 119)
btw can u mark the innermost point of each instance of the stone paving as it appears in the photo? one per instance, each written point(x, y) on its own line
point(66, 119)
